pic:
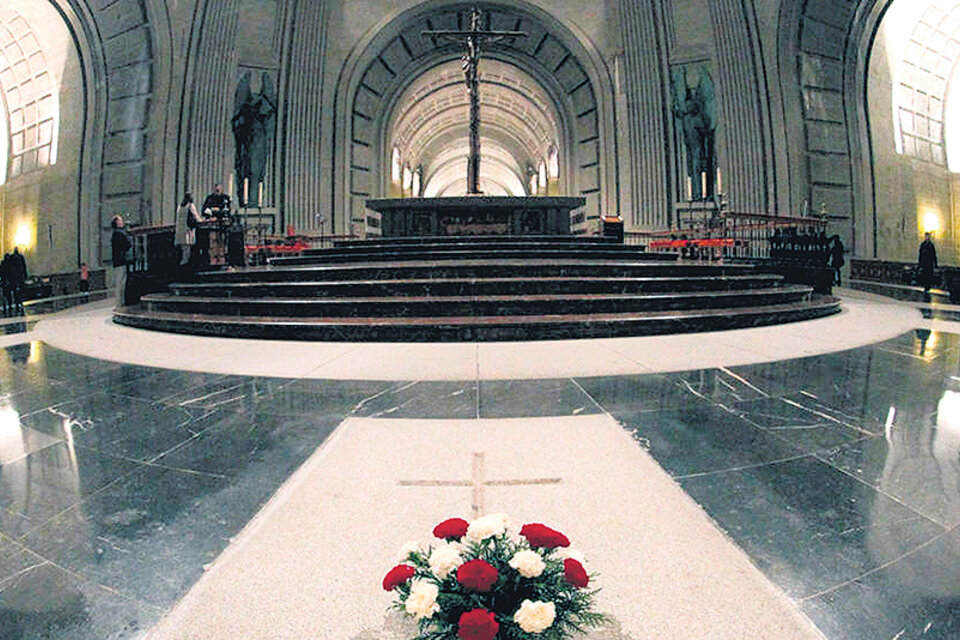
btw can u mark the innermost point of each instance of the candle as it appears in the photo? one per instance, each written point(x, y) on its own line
point(689, 188)
point(703, 185)
point(246, 191)
point(260, 194)
point(230, 185)
point(719, 182)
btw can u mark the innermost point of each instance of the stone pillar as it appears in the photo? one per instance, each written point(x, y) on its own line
point(743, 119)
point(647, 100)
point(301, 132)
point(208, 155)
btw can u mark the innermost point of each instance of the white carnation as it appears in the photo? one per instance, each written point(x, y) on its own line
point(573, 554)
point(487, 526)
point(445, 559)
point(410, 547)
point(535, 617)
point(422, 602)
point(528, 563)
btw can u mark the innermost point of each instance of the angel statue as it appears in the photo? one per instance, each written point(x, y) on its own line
point(694, 110)
point(254, 128)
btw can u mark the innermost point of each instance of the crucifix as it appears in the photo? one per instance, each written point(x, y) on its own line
point(477, 482)
point(472, 41)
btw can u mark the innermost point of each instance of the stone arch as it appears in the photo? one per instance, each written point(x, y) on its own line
point(429, 119)
point(564, 61)
point(829, 153)
point(119, 45)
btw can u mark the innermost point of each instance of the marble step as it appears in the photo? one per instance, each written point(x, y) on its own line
point(374, 255)
point(446, 269)
point(490, 328)
point(464, 244)
point(473, 286)
point(484, 306)
point(478, 240)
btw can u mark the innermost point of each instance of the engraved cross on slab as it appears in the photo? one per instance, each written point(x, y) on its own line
point(478, 481)
point(472, 41)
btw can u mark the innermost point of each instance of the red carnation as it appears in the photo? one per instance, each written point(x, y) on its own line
point(575, 574)
point(539, 535)
point(478, 624)
point(477, 575)
point(452, 529)
point(397, 576)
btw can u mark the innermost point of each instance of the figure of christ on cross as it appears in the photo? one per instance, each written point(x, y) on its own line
point(477, 482)
point(472, 41)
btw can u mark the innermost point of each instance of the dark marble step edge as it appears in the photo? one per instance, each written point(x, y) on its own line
point(476, 307)
point(478, 286)
point(490, 248)
point(381, 256)
point(469, 246)
point(587, 297)
point(602, 240)
point(505, 266)
point(504, 328)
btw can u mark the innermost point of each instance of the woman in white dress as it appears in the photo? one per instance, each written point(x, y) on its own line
point(185, 231)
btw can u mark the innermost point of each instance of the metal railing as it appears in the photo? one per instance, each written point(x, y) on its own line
point(711, 233)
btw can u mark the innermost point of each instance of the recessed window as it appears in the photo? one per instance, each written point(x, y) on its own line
point(30, 107)
point(924, 44)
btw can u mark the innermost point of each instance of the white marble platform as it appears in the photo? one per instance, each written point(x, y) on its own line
point(91, 332)
point(310, 564)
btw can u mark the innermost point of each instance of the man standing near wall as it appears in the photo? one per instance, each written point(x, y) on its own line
point(120, 245)
point(927, 263)
point(18, 276)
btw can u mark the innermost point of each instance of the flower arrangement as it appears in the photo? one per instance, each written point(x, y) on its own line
point(485, 580)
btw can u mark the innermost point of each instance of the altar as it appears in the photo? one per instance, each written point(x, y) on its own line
point(475, 216)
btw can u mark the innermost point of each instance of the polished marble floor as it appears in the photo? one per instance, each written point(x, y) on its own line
point(838, 473)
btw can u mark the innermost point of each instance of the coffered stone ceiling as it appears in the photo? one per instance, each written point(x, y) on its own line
point(430, 125)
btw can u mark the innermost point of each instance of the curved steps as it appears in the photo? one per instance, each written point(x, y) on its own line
point(480, 329)
point(475, 289)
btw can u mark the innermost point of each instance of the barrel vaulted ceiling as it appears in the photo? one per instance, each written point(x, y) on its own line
point(537, 91)
point(430, 123)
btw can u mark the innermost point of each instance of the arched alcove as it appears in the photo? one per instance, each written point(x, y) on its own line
point(571, 84)
point(42, 108)
point(429, 122)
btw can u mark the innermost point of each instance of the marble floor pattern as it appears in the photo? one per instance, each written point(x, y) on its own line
point(836, 472)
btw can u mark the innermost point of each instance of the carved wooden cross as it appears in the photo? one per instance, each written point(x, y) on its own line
point(478, 481)
point(471, 40)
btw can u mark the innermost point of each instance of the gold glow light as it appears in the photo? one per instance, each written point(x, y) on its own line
point(931, 221)
point(24, 236)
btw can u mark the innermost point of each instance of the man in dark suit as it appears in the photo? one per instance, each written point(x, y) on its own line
point(927, 263)
point(17, 272)
point(217, 203)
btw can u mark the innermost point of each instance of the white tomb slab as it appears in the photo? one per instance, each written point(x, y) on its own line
point(311, 563)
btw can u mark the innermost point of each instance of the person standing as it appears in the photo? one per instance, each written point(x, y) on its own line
point(121, 246)
point(927, 263)
point(217, 204)
point(836, 257)
point(7, 291)
point(185, 230)
point(84, 279)
point(18, 277)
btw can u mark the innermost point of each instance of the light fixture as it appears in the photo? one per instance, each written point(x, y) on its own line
point(931, 221)
point(24, 236)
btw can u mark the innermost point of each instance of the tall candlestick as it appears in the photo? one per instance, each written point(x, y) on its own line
point(260, 195)
point(703, 185)
point(246, 192)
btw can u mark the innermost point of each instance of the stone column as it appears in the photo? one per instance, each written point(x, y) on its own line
point(647, 99)
point(300, 132)
point(743, 119)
